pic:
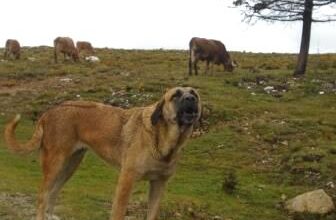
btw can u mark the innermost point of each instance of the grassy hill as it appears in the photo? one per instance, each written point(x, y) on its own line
point(266, 136)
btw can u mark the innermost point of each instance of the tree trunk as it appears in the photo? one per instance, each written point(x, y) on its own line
point(305, 39)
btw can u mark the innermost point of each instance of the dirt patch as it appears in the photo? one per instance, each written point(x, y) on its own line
point(19, 206)
point(12, 87)
point(16, 206)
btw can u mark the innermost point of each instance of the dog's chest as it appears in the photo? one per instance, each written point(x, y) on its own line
point(158, 169)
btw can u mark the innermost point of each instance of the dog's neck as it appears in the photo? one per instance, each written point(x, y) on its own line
point(168, 137)
point(169, 140)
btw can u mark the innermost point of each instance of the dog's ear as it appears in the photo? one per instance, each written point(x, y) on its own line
point(157, 114)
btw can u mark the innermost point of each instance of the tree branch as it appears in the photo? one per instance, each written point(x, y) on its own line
point(283, 10)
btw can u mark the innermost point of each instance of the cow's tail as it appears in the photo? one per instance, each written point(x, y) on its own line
point(190, 54)
point(13, 143)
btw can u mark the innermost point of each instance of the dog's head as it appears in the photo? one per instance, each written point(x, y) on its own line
point(179, 105)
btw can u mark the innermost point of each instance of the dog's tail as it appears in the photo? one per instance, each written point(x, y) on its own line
point(13, 143)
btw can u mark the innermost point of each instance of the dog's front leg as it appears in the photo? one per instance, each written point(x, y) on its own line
point(155, 193)
point(123, 193)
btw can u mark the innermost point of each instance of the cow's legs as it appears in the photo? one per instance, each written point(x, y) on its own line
point(207, 67)
point(155, 193)
point(190, 65)
point(55, 56)
point(211, 68)
point(195, 67)
point(190, 62)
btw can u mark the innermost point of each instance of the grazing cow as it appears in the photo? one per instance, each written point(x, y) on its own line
point(211, 51)
point(84, 46)
point(66, 46)
point(12, 48)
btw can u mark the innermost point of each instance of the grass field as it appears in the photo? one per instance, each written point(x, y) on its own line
point(266, 135)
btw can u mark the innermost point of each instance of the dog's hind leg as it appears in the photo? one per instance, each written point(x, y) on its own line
point(52, 165)
point(57, 169)
point(68, 170)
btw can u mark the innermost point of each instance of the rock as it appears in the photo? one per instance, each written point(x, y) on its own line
point(66, 80)
point(330, 184)
point(177, 215)
point(283, 197)
point(317, 202)
point(92, 59)
point(53, 217)
point(125, 74)
point(190, 210)
point(268, 89)
point(285, 143)
point(32, 59)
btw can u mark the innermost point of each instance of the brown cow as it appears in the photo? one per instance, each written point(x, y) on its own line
point(12, 48)
point(84, 46)
point(211, 51)
point(66, 46)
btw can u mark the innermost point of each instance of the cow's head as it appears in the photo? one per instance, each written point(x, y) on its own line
point(229, 65)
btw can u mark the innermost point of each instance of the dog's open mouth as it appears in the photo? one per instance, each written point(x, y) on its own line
point(188, 116)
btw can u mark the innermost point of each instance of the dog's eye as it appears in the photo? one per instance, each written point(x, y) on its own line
point(177, 94)
point(194, 94)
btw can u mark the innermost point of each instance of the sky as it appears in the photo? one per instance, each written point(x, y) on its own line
point(153, 24)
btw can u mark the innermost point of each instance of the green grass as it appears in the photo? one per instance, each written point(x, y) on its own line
point(282, 143)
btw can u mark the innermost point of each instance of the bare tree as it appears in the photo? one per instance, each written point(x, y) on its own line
point(307, 11)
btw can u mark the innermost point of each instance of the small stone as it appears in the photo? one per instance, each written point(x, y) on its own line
point(268, 89)
point(32, 59)
point(66, 80)
point(283, 197)
point(92, 59)
point(331, 184)
point(285, 142)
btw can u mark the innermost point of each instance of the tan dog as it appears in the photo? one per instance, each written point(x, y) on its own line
point(144, 142)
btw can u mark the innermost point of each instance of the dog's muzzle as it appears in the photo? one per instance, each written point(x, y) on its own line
point(188, 110)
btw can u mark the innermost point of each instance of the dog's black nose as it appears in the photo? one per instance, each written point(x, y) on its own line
point(190, 98)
